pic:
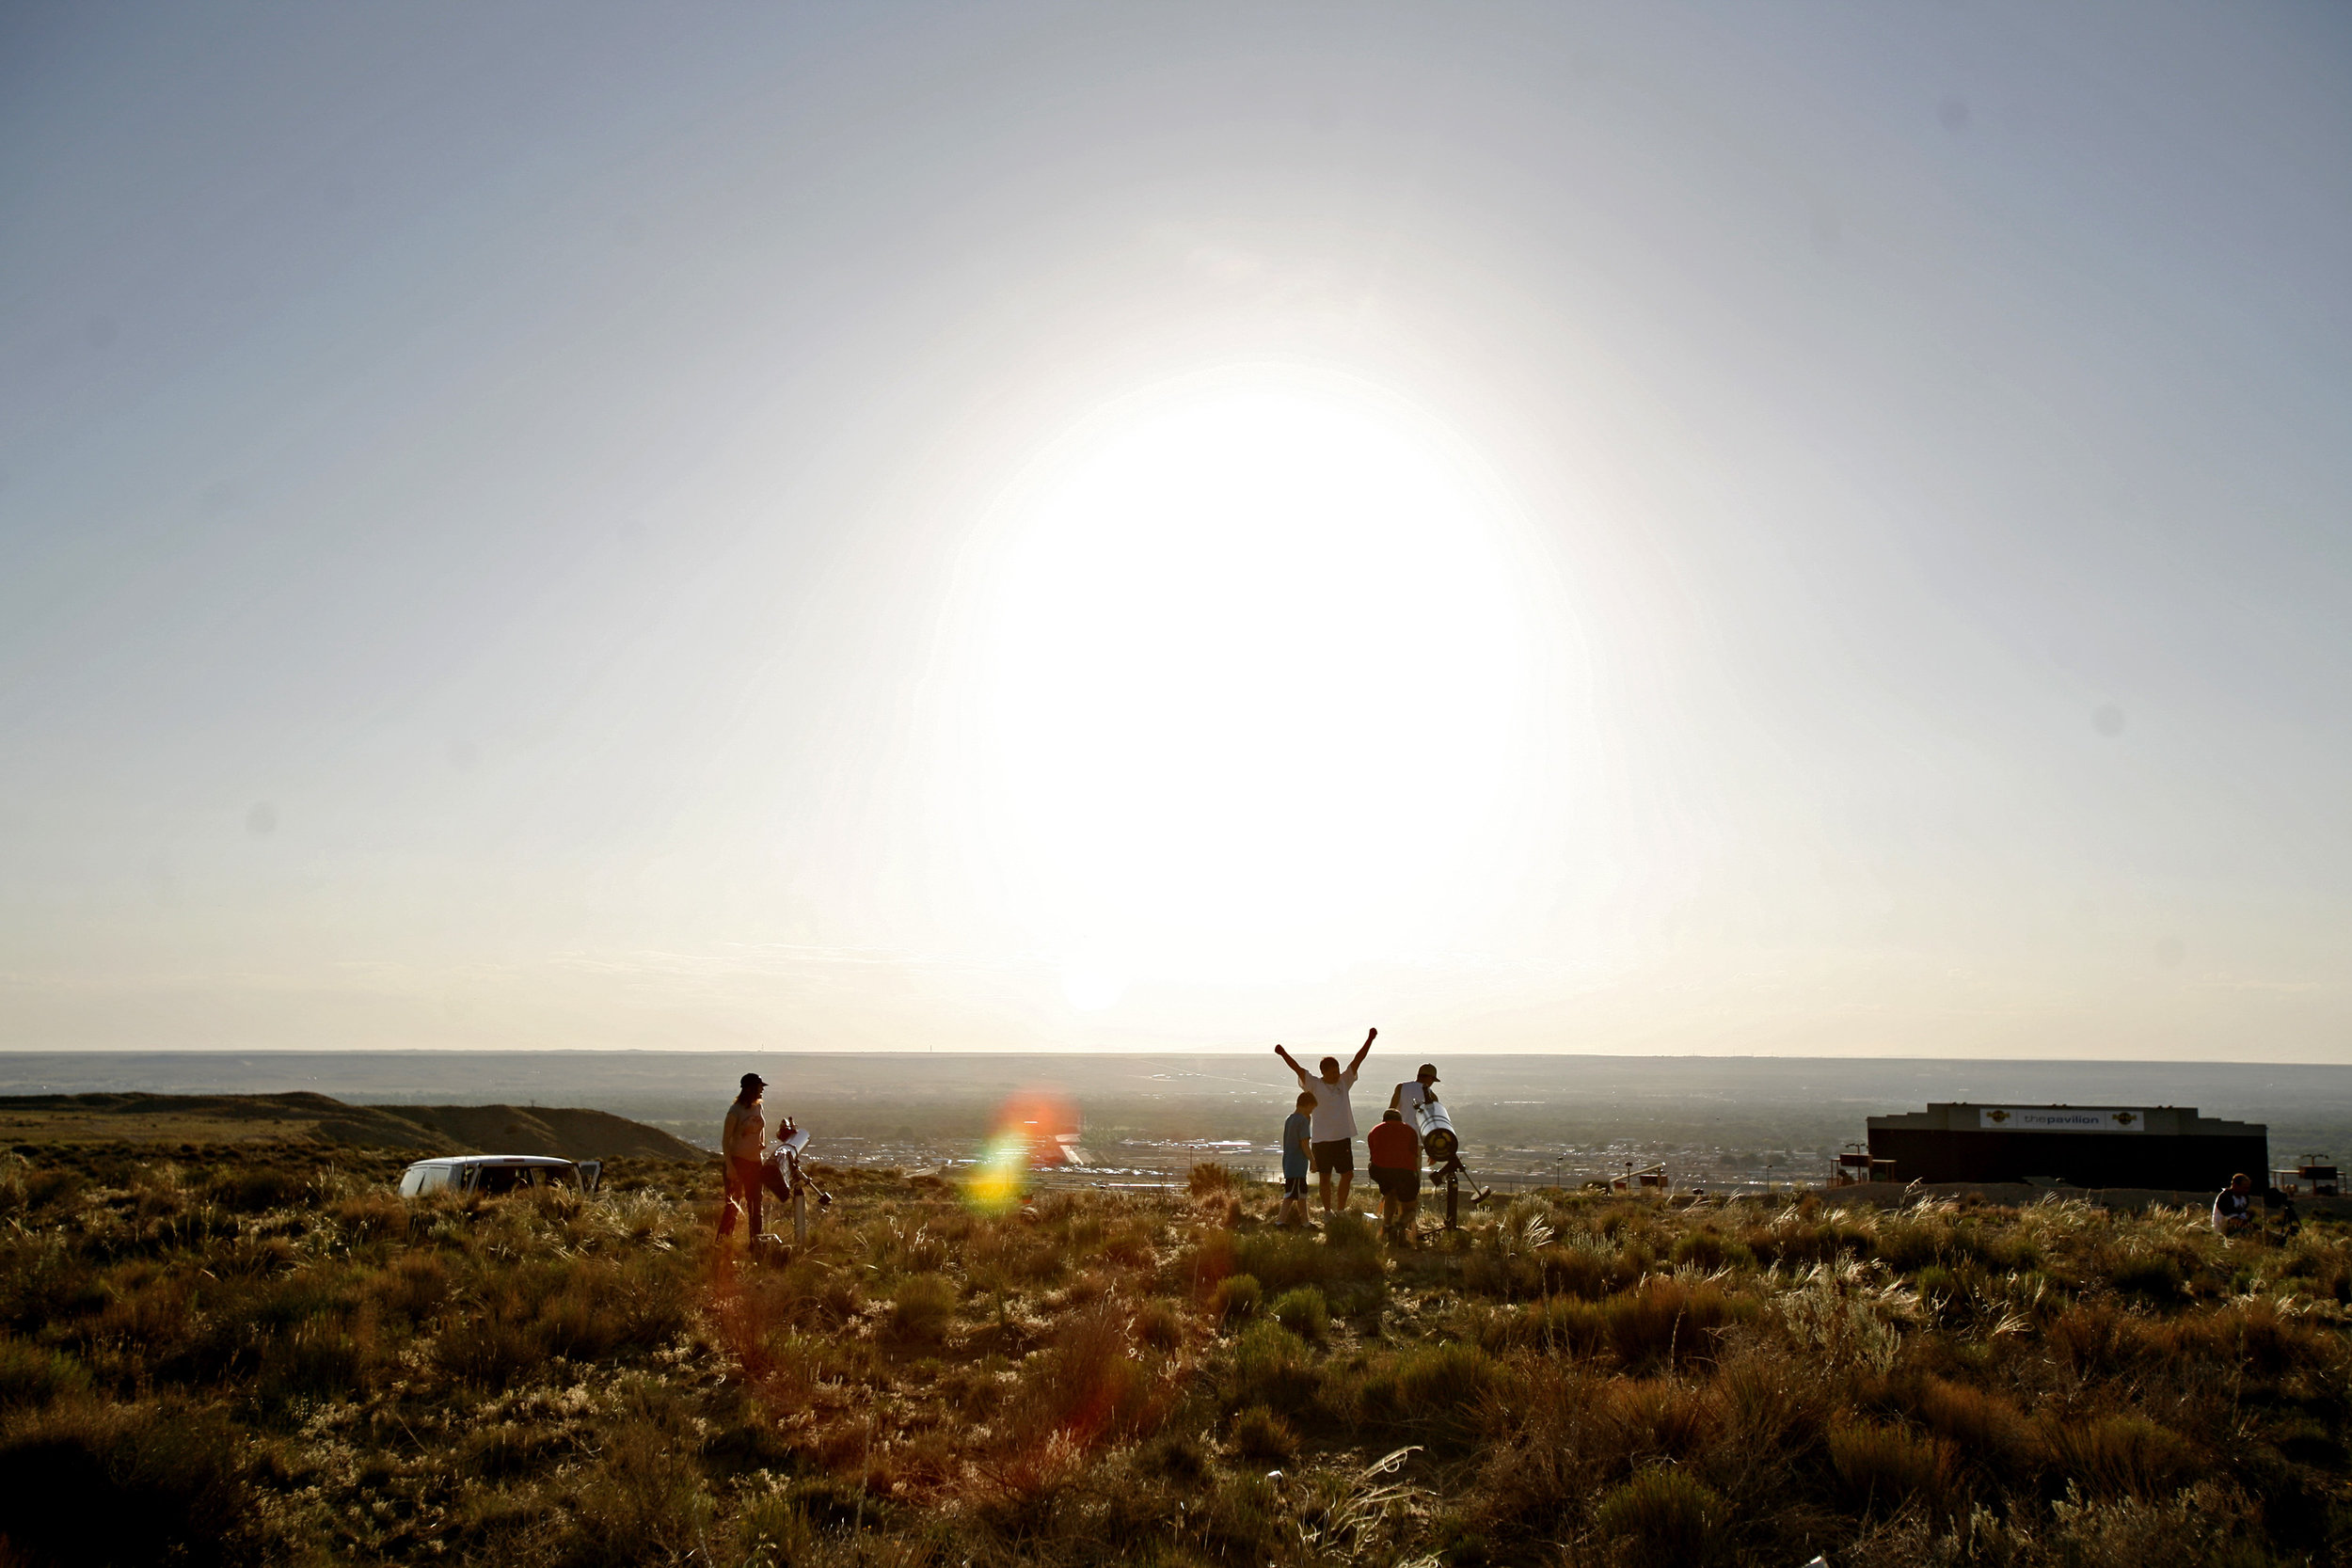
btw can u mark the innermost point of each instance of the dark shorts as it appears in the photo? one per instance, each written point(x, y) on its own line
point(1293, 1186)
point(1337, 1155)
point(1403, 1184)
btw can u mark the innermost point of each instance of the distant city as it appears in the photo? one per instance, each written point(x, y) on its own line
point(1727, 1124)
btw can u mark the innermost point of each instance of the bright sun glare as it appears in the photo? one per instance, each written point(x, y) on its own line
point(1258, 687)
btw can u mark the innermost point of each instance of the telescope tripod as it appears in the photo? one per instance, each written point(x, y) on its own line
point(782, 1175)
point(1452, 1174)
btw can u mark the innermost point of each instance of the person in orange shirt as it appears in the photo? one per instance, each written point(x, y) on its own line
point(1396, 1151)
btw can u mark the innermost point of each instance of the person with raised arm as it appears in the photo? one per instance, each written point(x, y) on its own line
point(1333, 1120)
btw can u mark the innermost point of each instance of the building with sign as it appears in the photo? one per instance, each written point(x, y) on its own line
point(2167, 1147)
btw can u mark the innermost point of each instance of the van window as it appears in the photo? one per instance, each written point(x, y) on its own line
point(417, 1179)
point(504, 1179)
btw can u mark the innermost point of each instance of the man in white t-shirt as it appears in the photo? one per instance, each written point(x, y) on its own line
point(1332, 1122)
point(1409, 1095)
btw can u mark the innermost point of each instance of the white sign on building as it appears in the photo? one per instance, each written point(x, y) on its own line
point(2058, 1119)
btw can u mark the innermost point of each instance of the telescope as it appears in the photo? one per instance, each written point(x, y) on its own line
point(1443, 1146)
point(1437, 1139)
point(782, 1175)
point(787, 1157)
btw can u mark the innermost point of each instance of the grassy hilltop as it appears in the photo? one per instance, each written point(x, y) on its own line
point(263, 1356)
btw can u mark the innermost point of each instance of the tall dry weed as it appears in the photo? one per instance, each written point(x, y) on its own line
point(1664, 1518)
point(2126, 1456)
point(1881, 1467)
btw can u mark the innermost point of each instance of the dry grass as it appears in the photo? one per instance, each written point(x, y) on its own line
point(262, 1357)
point(1663, 1517)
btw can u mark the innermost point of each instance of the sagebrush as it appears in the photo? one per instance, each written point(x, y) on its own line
point(261, 1355)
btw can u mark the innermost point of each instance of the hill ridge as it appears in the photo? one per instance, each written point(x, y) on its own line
point(572, 1132)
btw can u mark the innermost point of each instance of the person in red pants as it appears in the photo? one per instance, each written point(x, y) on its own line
point(742, 1142)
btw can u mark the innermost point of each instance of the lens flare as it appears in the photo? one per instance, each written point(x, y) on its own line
point(1001, 1179)
point(1032, 1128)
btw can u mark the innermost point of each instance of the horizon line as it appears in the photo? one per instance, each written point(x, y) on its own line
point(1237, 1051)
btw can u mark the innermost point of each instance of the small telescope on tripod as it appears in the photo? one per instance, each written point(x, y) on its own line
point(782, 1175)
point(1443, 1146)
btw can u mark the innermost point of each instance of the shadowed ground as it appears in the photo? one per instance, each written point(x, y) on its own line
point(167, 1119)
point(253, 1353)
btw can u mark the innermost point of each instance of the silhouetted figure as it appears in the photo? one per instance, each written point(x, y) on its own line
point(742, 1143)
point(2233, 1210)
point(1396, 1152)
point(1333, 1120)
point(1407, 1095)
point(1298, 1154)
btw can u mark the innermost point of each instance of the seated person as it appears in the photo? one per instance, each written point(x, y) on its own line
point(1396, 1150)
point(2233, 1210)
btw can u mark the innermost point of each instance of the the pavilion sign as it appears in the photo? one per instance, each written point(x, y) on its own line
point(2058, 1119)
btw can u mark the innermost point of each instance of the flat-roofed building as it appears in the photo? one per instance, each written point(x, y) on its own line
point(2167, 1147)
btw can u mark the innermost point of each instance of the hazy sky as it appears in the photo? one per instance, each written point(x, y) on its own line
point(1697, 528)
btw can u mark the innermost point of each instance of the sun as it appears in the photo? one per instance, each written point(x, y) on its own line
point(1256, 684)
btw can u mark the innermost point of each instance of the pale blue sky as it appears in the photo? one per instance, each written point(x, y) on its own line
point(499, 505)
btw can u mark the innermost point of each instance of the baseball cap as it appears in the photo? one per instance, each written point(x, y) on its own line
point(754, 1081)
point(1428, 1071)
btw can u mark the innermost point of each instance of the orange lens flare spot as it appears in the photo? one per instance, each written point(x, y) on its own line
point(1030, 1129)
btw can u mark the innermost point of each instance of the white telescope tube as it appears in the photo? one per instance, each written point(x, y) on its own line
point(1437, 1139)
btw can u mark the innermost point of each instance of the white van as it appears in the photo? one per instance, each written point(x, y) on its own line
point(489, 1174)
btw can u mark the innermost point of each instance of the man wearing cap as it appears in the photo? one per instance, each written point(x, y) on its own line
point(1408, 1096)
point(743, 1141)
